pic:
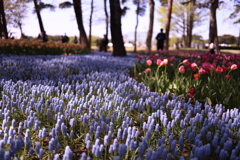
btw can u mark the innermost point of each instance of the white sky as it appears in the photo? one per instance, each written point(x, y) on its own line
point(63, 21)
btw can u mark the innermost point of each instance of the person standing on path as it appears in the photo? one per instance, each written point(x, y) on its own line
point(104, 44)
point(44, 36)
point(211, 48)
point(160, 39)
point(75, 41)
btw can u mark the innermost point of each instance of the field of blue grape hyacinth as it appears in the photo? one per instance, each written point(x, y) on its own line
point(84, 107)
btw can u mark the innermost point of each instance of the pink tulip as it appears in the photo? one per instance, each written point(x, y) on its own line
point(149, 62)
point(233, 67)
point(159, 61)
point(185, 61)
point(207, 66)
point(194, 65)
point(202, 71)
point(148, 70)
point(164, 62)
point(181, 69)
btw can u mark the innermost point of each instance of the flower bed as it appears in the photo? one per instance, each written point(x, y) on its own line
point(203, 77)
point(37, 47)
point(88, 107)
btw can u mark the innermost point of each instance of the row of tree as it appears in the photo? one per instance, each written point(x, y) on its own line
point(189, 14)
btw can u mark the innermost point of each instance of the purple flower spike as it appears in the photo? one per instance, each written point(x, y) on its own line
point(7, 155)
point(233, 155)
point(115, 144)
point(41, 153)
point(181, 158)
point(56, 157)
point(83, 156)
point(106, 140)
point(64, 129)
point(149, 153)
point(111, 149)
point(117, 158)
point(87, 137)
point(173, 145)
point(141, 149)
point(122, 150)
point(223, 154)
point(88, 144)
point(51, 144)
point(72, 134)
point(37, 147)
point(67, 153)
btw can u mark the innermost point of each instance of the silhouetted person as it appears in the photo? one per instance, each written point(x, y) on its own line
point(75, 40)
point(39, 36)
point(62, 38)
point(160, 39)
point(211, 48)
point(104, 43)
point(44, 36)
point(65, 38)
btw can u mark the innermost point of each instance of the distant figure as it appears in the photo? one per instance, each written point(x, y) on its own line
point(75, 41)
point(104, 43)
point(44, 36)
point(39, 36)
point(62, 38)
point(211, 48)
point(65, 38)
point(160, 39)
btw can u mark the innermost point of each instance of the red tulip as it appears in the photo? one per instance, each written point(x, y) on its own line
point(227, 76)
point(196, 76)
point(219, 70)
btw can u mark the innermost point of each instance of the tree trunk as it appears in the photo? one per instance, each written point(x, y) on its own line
point(38, 16)
point(168, 23)
point(107, 18)
point(238, 43)
point(116, 29)
point(184, 32)
point(135, 32)
point(78, 13)
point(20, 27)
point(213, 34)
point(150, 27)
point(1, 29)
point(190, 27)
point(190, 22)
point(3, 19)
point(90, 25)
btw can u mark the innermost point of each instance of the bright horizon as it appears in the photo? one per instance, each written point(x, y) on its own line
point(63, 21)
